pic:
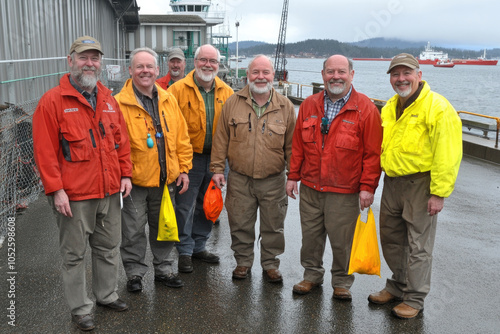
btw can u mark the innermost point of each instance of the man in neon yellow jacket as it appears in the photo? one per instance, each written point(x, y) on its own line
point(161, 154)
point(421, 154)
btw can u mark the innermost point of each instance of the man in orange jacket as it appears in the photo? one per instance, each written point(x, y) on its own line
point(83, 154)
point(201, 95)
point(162, 155)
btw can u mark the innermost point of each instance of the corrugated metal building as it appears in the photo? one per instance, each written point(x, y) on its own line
point(36, 35)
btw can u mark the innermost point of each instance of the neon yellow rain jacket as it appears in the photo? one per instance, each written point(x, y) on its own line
point(427, 137)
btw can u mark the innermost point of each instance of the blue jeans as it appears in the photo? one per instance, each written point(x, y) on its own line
point(194, 228)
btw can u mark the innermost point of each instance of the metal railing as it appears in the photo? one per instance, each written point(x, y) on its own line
point(483, 126)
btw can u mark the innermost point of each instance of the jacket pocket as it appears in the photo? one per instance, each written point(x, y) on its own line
point(348, 136)
point(309, 130)
point(413, 140)
point(240, 129)
point(75, 147)
point(275, 136)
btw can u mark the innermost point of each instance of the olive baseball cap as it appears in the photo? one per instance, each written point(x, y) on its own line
point(404, 59)
point(85, 43)
point(176, 53)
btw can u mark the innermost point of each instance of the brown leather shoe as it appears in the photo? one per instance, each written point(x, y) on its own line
point(273, 275)
point(341, 293)
point(405, 311)
point(304, 287)
point(241, 272)
point(381, 297)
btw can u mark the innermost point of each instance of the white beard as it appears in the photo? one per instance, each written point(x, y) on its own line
point(260, 90)
point(336, 90)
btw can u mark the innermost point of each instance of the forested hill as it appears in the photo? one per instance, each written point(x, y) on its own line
point(322, 48)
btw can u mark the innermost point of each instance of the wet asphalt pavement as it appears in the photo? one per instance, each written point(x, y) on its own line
point(464, 295)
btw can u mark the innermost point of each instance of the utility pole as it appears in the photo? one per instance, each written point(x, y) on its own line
point(280, 61)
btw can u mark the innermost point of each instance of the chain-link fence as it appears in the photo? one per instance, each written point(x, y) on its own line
point(19, 180)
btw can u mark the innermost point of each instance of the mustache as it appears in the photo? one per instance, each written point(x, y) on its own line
point(89, 68)
point(336, 81)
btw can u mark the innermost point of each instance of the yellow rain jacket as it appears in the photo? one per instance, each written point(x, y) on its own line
point(178, 151)
point(193, 107)
point(427, 137)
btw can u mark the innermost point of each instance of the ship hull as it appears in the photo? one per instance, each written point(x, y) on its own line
point(490, 62)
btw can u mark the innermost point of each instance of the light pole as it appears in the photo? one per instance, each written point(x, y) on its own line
point(237, 25)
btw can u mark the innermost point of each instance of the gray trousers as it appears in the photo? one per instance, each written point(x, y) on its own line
point(244, 196)
point(329, 214)
point(97, 220)
point(140, 208)
point(407, 236)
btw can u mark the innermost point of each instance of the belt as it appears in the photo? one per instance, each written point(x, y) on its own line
point(411, 176)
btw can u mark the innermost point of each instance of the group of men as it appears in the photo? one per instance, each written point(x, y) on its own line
point(96, 153)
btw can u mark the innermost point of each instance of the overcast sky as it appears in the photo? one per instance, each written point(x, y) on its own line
point(473, 24)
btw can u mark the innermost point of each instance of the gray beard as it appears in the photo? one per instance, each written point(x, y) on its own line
point(87, 82)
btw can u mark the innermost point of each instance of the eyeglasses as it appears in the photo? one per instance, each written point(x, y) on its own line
point(205, 60)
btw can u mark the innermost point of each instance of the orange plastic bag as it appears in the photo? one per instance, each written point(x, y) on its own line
point(213, 202)
point(167, 224)
point(365, 257)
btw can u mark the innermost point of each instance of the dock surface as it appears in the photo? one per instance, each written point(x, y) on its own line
point(463, 297)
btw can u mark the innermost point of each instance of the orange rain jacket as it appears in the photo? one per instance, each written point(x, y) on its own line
point(178, 151)
point(193, 107)
point(86, 153)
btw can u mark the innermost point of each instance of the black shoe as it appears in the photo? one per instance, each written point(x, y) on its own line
point(134, 284)
point(185, 264)
point(118, 305)
point(170, 280)
point(84, 322)
point(206, 256)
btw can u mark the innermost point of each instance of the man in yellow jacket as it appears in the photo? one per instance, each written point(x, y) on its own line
point(201, 95)
point(421, 154)
point(161, 154)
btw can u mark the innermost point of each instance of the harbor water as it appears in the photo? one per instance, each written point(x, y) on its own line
point(470, 88)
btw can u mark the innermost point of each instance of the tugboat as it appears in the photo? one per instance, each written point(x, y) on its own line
point(445, 64)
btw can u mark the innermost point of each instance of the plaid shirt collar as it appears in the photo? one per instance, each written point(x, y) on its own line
point(332, 109)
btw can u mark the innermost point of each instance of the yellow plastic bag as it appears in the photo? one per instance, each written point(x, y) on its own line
point(365, 257)
point(167, 224)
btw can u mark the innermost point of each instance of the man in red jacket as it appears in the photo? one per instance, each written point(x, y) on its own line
point(176, 67)
point(336, 157)
point(83, 154)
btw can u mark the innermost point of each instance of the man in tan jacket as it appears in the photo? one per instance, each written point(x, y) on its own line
point(255, 134)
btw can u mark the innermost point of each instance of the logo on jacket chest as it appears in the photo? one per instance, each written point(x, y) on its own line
point(110, 108)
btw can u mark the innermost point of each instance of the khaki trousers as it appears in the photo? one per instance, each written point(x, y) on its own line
point(97, 220)
point(407, 236)
point(244, 196)
point(329, 214)
point(140, 208)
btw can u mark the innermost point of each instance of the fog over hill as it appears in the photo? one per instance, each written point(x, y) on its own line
point(374, 47)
